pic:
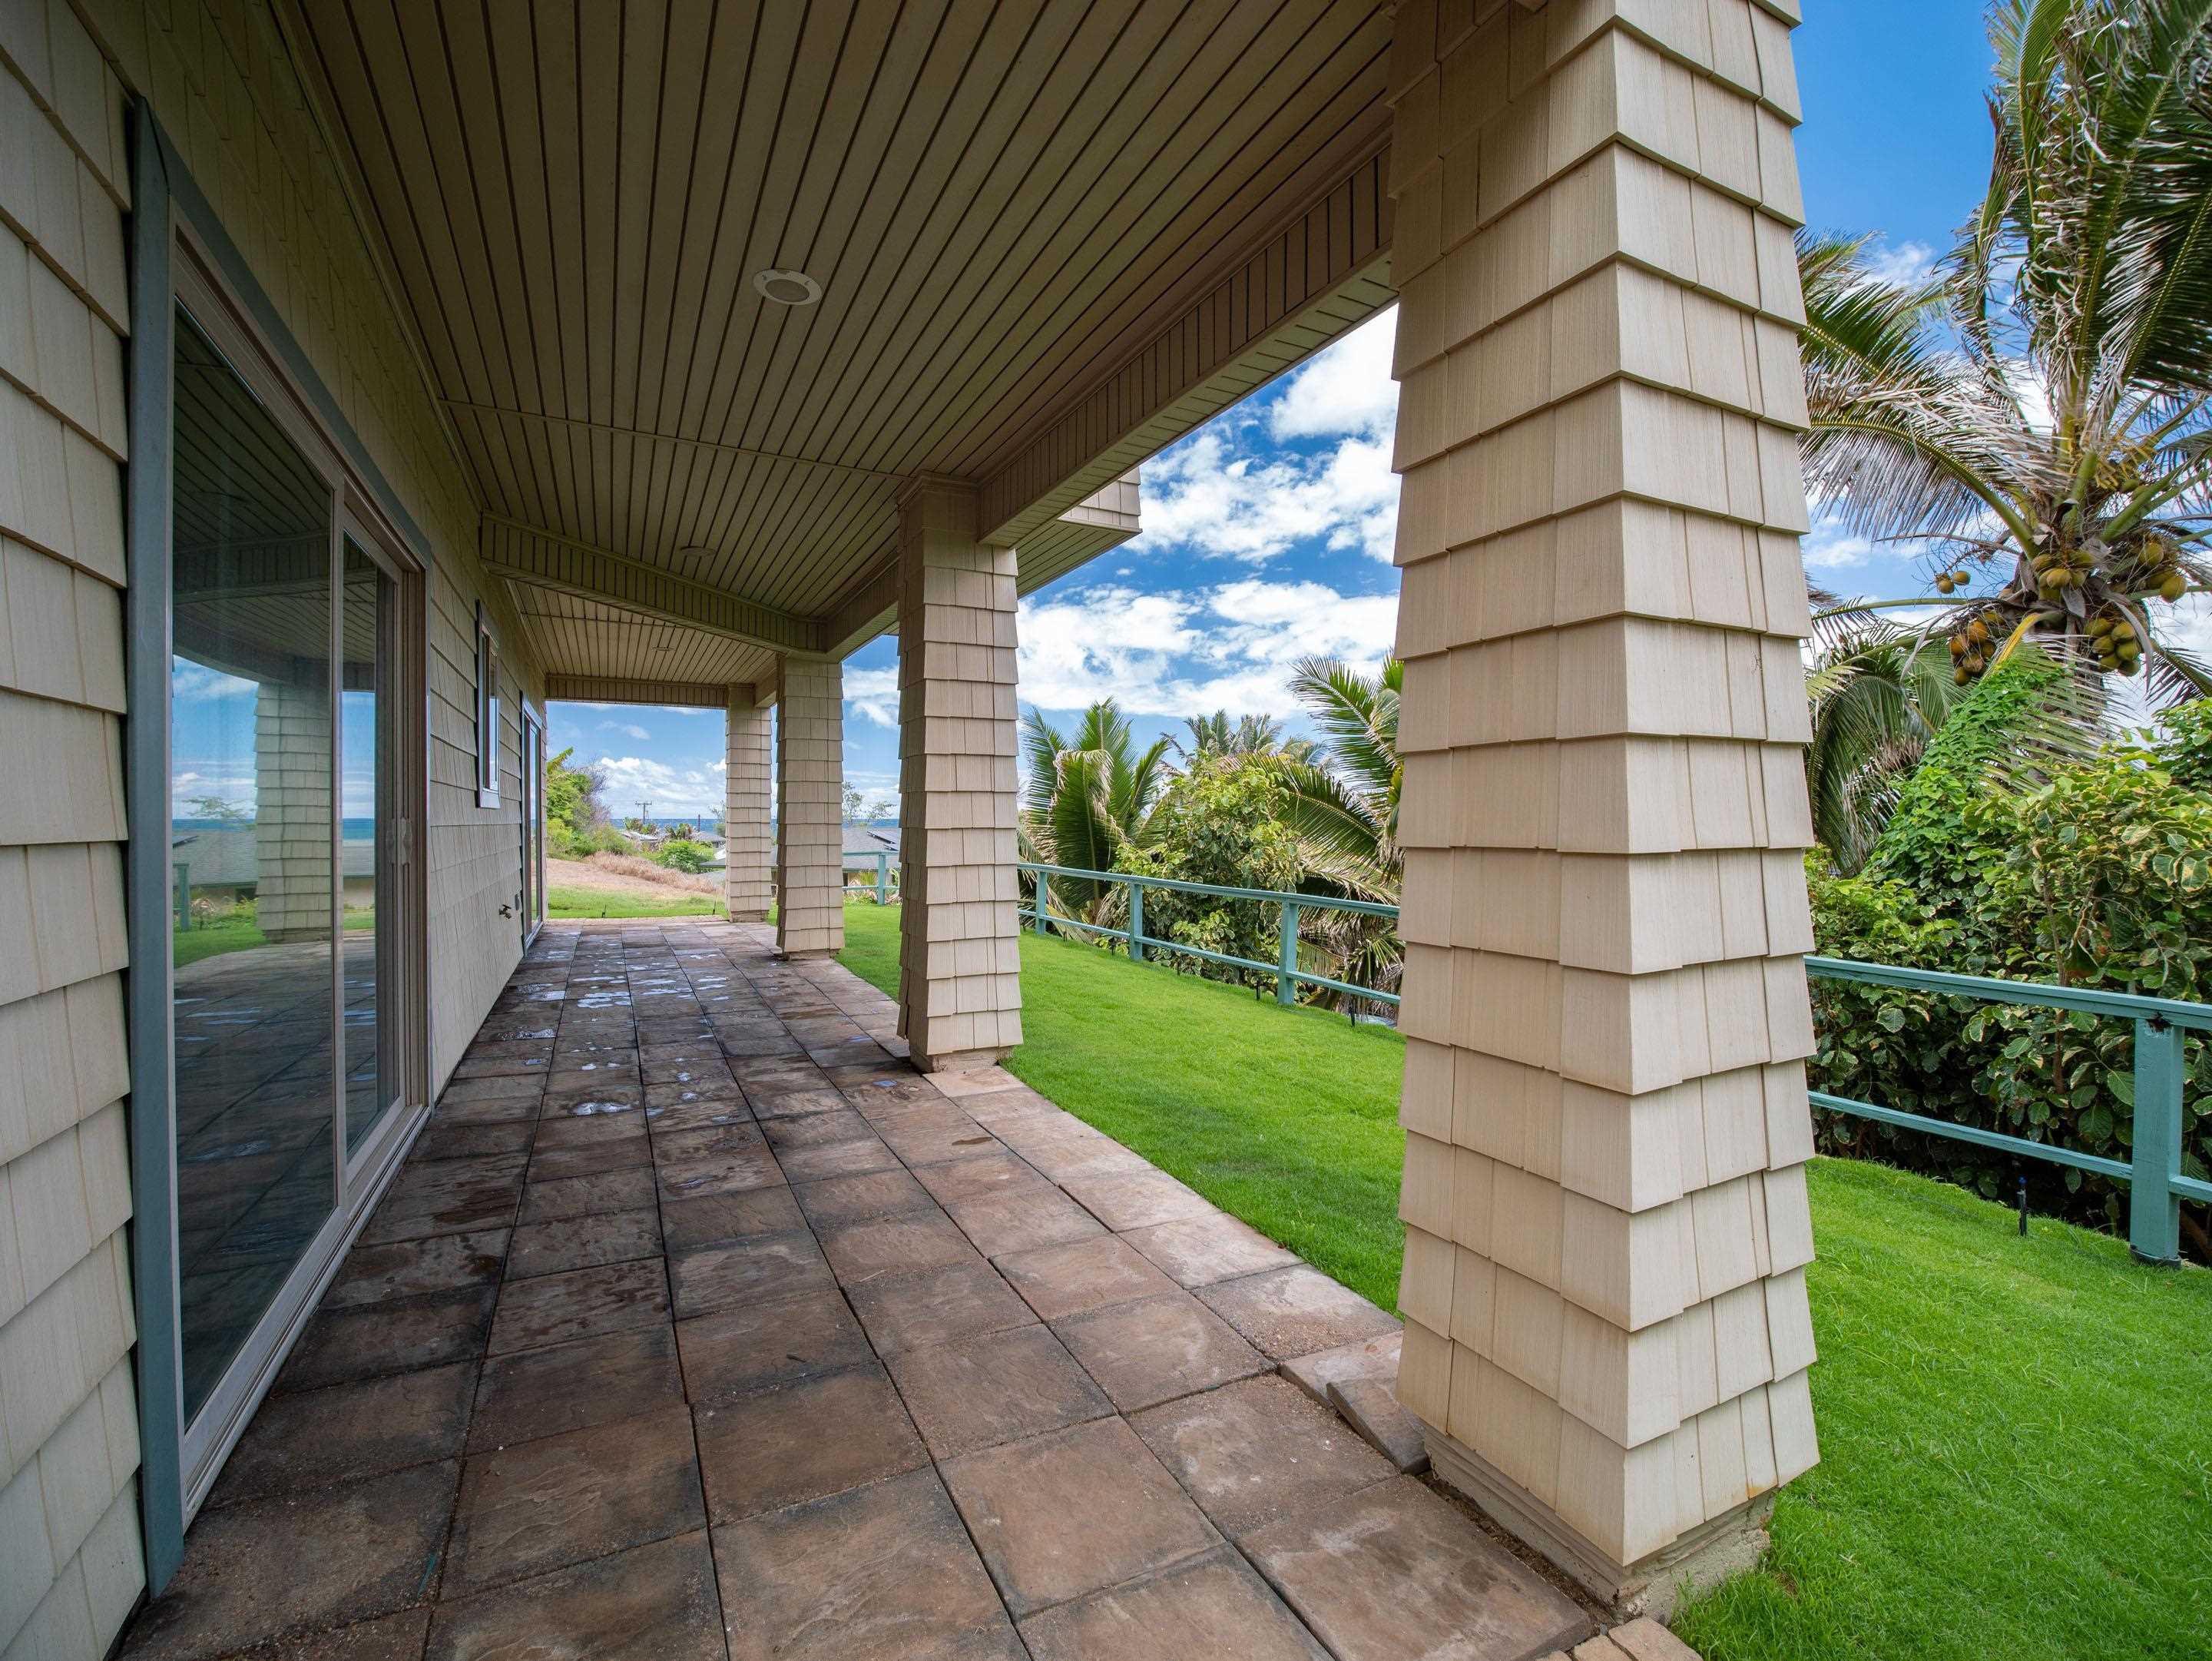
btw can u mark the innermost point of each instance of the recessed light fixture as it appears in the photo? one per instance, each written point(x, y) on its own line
point(787, 287)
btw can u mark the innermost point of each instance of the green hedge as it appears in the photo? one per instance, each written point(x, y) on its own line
point(2096, 872)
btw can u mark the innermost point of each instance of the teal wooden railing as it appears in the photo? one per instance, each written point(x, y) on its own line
point(2156, 1181)
point(1288, 975)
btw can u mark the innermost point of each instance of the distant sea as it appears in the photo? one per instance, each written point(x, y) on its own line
point(354, 830)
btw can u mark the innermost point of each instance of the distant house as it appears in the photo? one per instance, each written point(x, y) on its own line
point(228, 866)
point(863, 844)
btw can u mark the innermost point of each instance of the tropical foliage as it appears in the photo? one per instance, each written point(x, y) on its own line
point(2034, 412)
point(1248, 735)
point(1090, 795)
point(1248, 808)
point(1343, 811)
point(577, 824)
point(683, 854)
point(2100, 875)
point(1221, 821)
point(1878, 694)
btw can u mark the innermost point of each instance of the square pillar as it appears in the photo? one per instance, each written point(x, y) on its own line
point(292, 809)
point(747, 846)
point(1604, 805)
point(960, 987)
point(809, 844)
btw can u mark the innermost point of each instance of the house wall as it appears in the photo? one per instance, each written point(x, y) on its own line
point(222, 83)
point(69, 1447)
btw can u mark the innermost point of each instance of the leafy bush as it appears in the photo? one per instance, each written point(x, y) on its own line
point(2184, 746)
point(2101, 875)
point(567, 841)
point(1220, 821)
point(682, 853)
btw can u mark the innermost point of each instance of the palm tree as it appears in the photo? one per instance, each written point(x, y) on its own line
point(1086, 799)
point(1248, 735)
point(1879, 692)
point(2035, 412)
point(1343, 809)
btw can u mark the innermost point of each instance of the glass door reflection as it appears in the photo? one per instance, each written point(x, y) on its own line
point(251, 853)
point(367, 809)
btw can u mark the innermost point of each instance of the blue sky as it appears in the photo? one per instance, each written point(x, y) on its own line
point(1267, 532)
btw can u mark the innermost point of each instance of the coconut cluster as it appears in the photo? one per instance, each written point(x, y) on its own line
point(2089, 589)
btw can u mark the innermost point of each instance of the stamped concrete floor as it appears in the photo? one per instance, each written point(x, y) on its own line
point(699, 1324)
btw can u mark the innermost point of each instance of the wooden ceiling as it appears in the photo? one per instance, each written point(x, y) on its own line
point(1001, 203)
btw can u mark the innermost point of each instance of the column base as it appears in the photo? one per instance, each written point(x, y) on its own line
point(1653, 1585)
point(749, 916)
point(960, 1061)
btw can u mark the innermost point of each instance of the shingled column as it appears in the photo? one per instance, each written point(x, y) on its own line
point(1605, 1325)
point(810, 843)
point(292, 808)
point(960, 989)
point(747, 847)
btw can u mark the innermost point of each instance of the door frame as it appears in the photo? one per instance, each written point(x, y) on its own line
point(180, 252)
point(408, 1001)
point(531, 902)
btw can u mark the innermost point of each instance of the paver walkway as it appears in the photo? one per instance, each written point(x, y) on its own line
point(699, 1324)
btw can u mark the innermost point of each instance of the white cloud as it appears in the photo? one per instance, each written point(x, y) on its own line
point(631, 779)
point(1242, 488)
point(1903, 262)
point(1178, 653)
point(191, 788)
point(627, 729)
point(874, 693)
point(1346, 387)
point(1832, 548)
point(193, 680)
point(2032, 390)
point(1204, 497)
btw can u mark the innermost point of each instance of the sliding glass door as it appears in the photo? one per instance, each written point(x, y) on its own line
point(290, 773)
point(533, 824)
point(250, 843)
point(368, 804)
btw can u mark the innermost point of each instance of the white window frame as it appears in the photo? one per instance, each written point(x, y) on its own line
point(487, 712)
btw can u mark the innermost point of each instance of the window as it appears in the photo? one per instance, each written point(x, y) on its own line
point(486, 714)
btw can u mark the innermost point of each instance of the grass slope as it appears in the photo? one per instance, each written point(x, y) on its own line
point(214, 938)
point(592, 903)
point(2016, 1444)
point(1287, 1117)
point(2016, 1439)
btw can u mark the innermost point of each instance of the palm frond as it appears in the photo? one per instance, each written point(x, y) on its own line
point(1359, 715)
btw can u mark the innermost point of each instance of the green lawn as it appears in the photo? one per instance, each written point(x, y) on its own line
point(2016, 1434)
point(211, 939)
point(2016, 1442)
point(590, 902)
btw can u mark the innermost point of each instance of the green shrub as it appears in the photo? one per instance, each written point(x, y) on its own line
point(1219, 822)
point(2100, 876)
point(2184, 745)
point(682, 853)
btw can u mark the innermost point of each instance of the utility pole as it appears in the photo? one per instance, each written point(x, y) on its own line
point(644, 814)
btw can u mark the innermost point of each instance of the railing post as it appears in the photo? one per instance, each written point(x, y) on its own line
point(1136, 922)
point(883, 879)
point(1286, 989)
point(2154, 1208)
